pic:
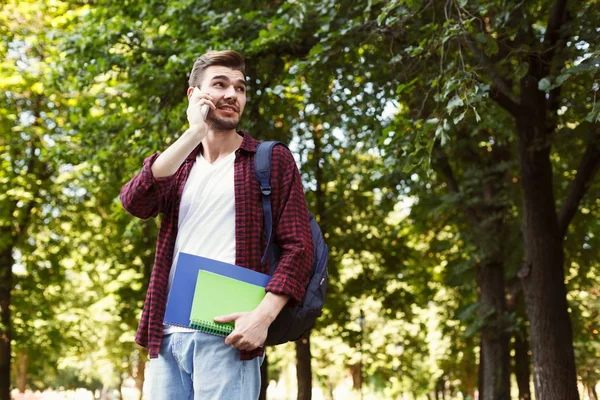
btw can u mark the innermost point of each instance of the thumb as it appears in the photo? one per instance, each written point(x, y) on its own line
point(227, 318)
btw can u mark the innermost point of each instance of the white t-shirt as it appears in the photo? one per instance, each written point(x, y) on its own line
point(206, 224)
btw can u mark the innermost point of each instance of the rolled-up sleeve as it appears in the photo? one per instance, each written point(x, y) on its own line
point(145, 196)
point(291, 228)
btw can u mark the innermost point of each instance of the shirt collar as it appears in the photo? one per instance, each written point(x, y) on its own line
point(249, 144)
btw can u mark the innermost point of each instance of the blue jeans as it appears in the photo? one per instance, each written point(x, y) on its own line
point(195, 365)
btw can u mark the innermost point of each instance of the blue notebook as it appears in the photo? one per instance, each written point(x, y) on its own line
point(181, 296)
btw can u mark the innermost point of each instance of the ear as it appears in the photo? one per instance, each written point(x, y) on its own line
point(189, 92)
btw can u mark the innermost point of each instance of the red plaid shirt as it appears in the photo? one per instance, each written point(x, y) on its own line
point(146, 196)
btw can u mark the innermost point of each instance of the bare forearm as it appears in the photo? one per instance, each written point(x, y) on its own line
point(271, 305)
point(251, 328)
point(171, 159)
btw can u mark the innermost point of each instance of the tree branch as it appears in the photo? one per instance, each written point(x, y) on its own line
point(555, 39)
point(558, 16)
point(503, 93)
point(505, 102)
point(503, 85)
point(587, 170)
point(507, 44)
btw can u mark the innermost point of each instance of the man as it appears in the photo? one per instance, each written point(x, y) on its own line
point(204, 185)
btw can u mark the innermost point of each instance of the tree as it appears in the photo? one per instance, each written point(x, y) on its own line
point(496, 52)
point(32, 120)
point(526, 69)
point(457, 78)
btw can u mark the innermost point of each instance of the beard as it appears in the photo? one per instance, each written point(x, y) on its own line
point(221, 124)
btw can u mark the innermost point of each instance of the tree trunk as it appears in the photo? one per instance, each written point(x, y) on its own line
point(303, 368)
point(543, 275)
point(592, 392)
point(330, 389)
point(140, 373)
point(6, 263)
point(470, 382)
point(356, 374)
point(494, 339)
point(521, 364)
point(20, 364)
point(121, 387)
point(264, 378)
point(480, 385)
point(486, 221)
point(440, 388)
point(149, 233)
point(469, 391)
point(522, 361)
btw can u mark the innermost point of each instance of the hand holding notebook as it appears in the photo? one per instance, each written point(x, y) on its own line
point(251, 319)
point(217, 295)
point(251, 328)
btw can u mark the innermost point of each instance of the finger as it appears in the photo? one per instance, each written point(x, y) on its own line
point(232, 339)
point(241, 343)
point(246, 346)
point(197, 94)
point(227, 318)
point(202, 102)
point(250, 345)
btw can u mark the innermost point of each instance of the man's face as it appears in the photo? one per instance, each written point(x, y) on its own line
point(228, 90)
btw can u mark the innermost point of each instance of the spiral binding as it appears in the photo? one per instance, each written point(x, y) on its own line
point(211, 327)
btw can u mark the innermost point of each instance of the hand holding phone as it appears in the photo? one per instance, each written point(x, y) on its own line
point(198, 108)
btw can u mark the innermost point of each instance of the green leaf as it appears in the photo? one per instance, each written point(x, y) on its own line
point(491, 47)
point(544, 84)
point(477, 117)
point(459, 117)
point(445, 138)
point(481, 37)
point(561, 79)
point(522, 69)
point(316, 50)
point(453, 103)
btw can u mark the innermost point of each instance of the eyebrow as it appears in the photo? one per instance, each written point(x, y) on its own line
point(226, 78)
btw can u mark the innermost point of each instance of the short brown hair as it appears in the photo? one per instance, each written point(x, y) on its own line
point(226, 58)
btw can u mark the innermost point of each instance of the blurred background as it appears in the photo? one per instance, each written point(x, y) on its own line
point(449, 149)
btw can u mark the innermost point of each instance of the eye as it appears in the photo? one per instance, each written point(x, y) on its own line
point(218, 84)
point(241, 89)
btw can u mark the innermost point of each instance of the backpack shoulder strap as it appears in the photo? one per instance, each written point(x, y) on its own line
point(262, 165)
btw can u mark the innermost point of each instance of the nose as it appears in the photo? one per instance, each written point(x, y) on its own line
point(230, 92)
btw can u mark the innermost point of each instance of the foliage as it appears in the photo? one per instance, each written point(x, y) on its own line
point(377, 100)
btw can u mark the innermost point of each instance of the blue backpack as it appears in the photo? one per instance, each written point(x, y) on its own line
point(292, 322)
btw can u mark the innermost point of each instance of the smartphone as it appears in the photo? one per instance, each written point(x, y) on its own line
point(204, 111)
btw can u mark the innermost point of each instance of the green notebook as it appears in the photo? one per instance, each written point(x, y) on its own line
point(218, 295)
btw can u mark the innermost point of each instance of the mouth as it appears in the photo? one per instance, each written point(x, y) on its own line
point(229, 108)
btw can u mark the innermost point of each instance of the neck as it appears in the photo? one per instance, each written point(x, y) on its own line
point(219, 144)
